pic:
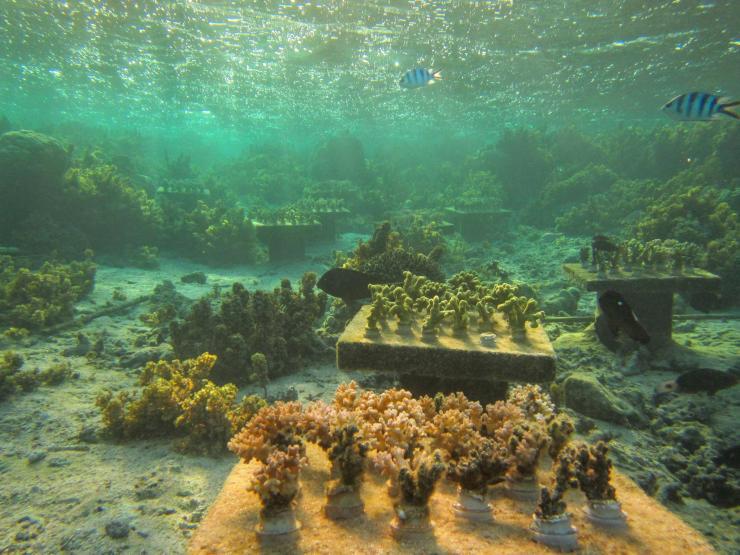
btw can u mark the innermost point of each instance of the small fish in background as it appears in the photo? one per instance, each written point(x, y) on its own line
point(707, 380)
point(346, 284)
point(620, 317)
point(700, 106)
point(419, 77)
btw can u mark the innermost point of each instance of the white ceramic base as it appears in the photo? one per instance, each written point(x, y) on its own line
point(523, 490)
point(283, 524)
point(606, 513)
point(555, 532)
point(410, 521)
point(344, 505)
point(472, 506)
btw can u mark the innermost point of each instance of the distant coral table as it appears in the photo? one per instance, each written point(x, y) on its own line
point(648, 292)
point(286, 242)
point(449, 361)
point(328, 220)
point(477, 224)
point(228, 528)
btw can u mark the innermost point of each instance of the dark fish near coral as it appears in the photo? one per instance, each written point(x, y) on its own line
point(620, 317)
point(700, 106)
point(695, 381)
point(419, 77)
point(348, 285)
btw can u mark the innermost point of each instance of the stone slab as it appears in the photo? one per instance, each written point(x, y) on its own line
point(528, 359)
point(228, 528)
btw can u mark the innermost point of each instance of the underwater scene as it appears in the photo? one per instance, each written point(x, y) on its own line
point(369, 276)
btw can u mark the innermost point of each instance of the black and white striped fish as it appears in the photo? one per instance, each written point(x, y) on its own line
point(419, 77)
point(700, 106)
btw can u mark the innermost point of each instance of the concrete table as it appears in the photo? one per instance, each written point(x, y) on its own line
point(477, 224)
point(286, 242)
point(648, 292)
point(328, 220)
point(228, 528)
point(449, 361)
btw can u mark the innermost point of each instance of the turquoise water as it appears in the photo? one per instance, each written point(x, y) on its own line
point(228, 72)
point(149, 149)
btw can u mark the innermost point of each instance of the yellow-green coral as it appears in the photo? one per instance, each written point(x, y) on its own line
point(519, 311)
point(178, 399)
point(37, 299)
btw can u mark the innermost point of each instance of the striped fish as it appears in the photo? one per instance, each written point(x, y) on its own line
point(699, 106)
point(419, 77)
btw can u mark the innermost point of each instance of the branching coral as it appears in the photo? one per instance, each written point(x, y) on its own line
point(560, 429)
point(525, 446)
point(487, 463)
point(453, 303)
point(418, 479)
point(532, 401)
point(551, 504)
point(10, 364)
point(260, 373)
point(178, 399)
point(276, 481)
point(279, 325)
point(592, 468)
point(347, 454)
point(520, 310)
point(218, 235)
point(699, 215)
point(274, 427)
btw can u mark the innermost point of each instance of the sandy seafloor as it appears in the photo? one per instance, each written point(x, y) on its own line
point(62, 482)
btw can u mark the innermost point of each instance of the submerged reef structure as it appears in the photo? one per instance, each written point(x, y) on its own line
point(35, 299)
point(484, 334)
point(31, 169)
point(177, 399)
point(277, 324)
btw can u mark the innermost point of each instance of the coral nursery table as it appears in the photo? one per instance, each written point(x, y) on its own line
point(228, 528)
point(328, 219)
point(286, 242)
point(477, 224)
point(450, 361)
point(648, 292)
